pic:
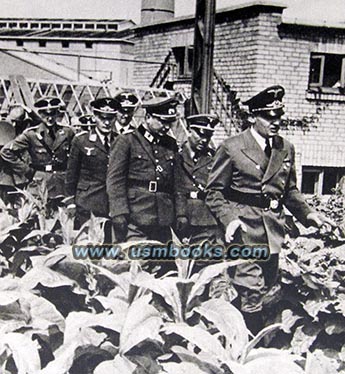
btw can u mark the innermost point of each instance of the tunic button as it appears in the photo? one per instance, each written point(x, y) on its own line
point(283, 182)
point(155, 151)
point(266, 209)
point(158, 178)
point(194, 176)
point(156, 160)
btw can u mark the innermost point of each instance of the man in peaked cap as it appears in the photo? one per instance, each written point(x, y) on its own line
point(88, 162)
point(48, 145)
point(194, 219)
point(252, 178)
point(7, 184)
point(128, 103)
point(140, 180)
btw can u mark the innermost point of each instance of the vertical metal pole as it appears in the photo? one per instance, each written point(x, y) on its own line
point(202, 78)
point(78, 68)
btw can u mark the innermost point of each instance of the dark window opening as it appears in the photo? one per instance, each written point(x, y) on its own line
point(12, 25)
point(320, 180)
point(88, 44)
point(90, 26)
point(112, 27)
point(2, 24)
point(327, 71)
point(23, 25)
point(42, 43)
point(56, 26)
point(184, 61)
point(67, 26)
point(34, 26)
point(78, 26)
point(65, 44)
point(101, 27)
point(19, 43)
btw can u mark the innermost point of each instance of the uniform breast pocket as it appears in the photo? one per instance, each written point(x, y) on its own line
point(139, 160)
point(169, 160)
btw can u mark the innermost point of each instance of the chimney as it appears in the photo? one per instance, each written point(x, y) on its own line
point(156, 10)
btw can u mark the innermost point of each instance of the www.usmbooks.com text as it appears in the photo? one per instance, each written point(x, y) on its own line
point(170, 251)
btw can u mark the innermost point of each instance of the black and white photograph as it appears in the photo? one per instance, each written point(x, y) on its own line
point(172, 187)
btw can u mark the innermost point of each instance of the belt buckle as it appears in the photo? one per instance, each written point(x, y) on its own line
point(49, 168)
point(274, 204)
point(152, 186)
point(193, 194)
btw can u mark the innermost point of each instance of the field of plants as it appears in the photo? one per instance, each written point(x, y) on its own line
point(59, 315)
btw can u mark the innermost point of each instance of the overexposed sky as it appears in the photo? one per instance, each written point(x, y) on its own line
point(333, 10)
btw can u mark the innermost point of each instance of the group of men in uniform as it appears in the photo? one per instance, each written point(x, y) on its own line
point(145, 184)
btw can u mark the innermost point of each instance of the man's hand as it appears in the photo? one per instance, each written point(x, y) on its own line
point(182, 226)
point(325, 224)
point(120, 225)
point(231, 229)
point(71, 210)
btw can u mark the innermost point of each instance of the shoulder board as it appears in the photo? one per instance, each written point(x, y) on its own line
point(81, 133)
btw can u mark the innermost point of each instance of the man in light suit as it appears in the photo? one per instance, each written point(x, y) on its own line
point(253, 176)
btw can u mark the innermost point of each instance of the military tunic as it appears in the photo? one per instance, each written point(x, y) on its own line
point(191, 176)
point(48, 156)
point(241, 167)
point(86, 175)
point(140, 181)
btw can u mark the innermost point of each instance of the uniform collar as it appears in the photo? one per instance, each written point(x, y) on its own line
point(102, 136)
point(146, 134)
point(260, 139)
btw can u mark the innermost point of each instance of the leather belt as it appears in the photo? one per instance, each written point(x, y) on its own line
point(151, 186)
point(200, 195)
point(252, 199)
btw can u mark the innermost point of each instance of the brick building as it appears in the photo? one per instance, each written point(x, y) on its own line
point(255, 46)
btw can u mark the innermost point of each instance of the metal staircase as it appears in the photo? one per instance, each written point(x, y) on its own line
point(223, 103)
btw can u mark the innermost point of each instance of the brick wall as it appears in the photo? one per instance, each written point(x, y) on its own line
point(253, 50)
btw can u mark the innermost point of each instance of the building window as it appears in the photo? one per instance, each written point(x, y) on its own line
point(12, 25)
point(3, 24)
point(67, 26)
point(327, 72)
point(184, 61)
point(34, 25)
point(78, 26)
point(42, 43)
point(88, 45)
point(101, 27)
point(23, 25)
point(320, 180)
point(45, 25)
point(19, 43)
point(56, 26)
point(112, 27)
point(89, 26)
point(65, 44)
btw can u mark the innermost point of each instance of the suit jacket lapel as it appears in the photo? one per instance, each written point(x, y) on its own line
point(252, 150)
point(203, 161)
point(277, 158)
point(100, 145)
point(145, 145)
point(60, 137)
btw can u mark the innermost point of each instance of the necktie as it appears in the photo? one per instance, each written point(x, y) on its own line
point(268, 148)
point(106, 143)
point(51, 132)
